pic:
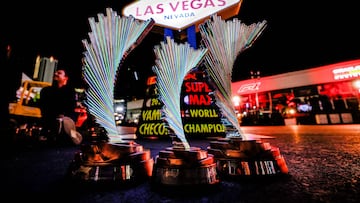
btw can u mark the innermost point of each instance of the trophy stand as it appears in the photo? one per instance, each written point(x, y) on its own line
point(240, 158)
point(188, 169)
point(104, 162)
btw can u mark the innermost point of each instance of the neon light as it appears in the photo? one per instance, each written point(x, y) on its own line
point(249, 87)
point(203, 113)
point(151, 115)
point(204, 128)
point(196, 87)
point(346, 73)
point(199, 100)
point(153, 129)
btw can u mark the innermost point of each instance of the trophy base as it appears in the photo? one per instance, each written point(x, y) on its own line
point(102, 162)
point(246, 158)
point(180, 168)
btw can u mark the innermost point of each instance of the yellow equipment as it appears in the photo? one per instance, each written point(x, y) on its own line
point(25, 106)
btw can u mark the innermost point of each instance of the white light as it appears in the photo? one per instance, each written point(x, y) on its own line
point(236, 100)
point(119, 109)
point(357, 84)
point(136, 76)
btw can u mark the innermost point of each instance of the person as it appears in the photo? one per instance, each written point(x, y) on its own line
point(57, 104)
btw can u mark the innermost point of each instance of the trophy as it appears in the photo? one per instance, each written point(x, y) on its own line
point(238, 154)
point(112, 159)
point(181, 164)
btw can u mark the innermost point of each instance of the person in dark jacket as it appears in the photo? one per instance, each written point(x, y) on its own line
point(56, 102)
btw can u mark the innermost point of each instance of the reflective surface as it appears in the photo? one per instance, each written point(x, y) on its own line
point(323, 163)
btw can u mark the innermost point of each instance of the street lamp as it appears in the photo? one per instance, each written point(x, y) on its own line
point(236, 101)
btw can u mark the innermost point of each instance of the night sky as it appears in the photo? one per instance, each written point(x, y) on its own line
point(299, 35)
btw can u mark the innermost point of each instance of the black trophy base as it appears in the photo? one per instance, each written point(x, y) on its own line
point(237, 158)
point(177, 169)
point(125, 162)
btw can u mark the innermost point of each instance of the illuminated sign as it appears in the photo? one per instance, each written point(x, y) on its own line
point(151, 115)
point(201, 118)
point(156, 129)
point(196, 87)
point(346, 73)
point(204, 128)
point(249, 87)
point(177, 14)
point(199, 100)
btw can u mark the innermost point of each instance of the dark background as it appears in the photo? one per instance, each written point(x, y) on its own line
point(299, 35)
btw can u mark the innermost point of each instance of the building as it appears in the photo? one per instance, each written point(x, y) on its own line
point(45, 69)
point(328, 94)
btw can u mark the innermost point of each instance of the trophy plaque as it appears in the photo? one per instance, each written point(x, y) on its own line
point(246, 158)
point(179, 167)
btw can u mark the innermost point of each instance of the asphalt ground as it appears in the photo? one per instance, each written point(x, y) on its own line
point(323, 167)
